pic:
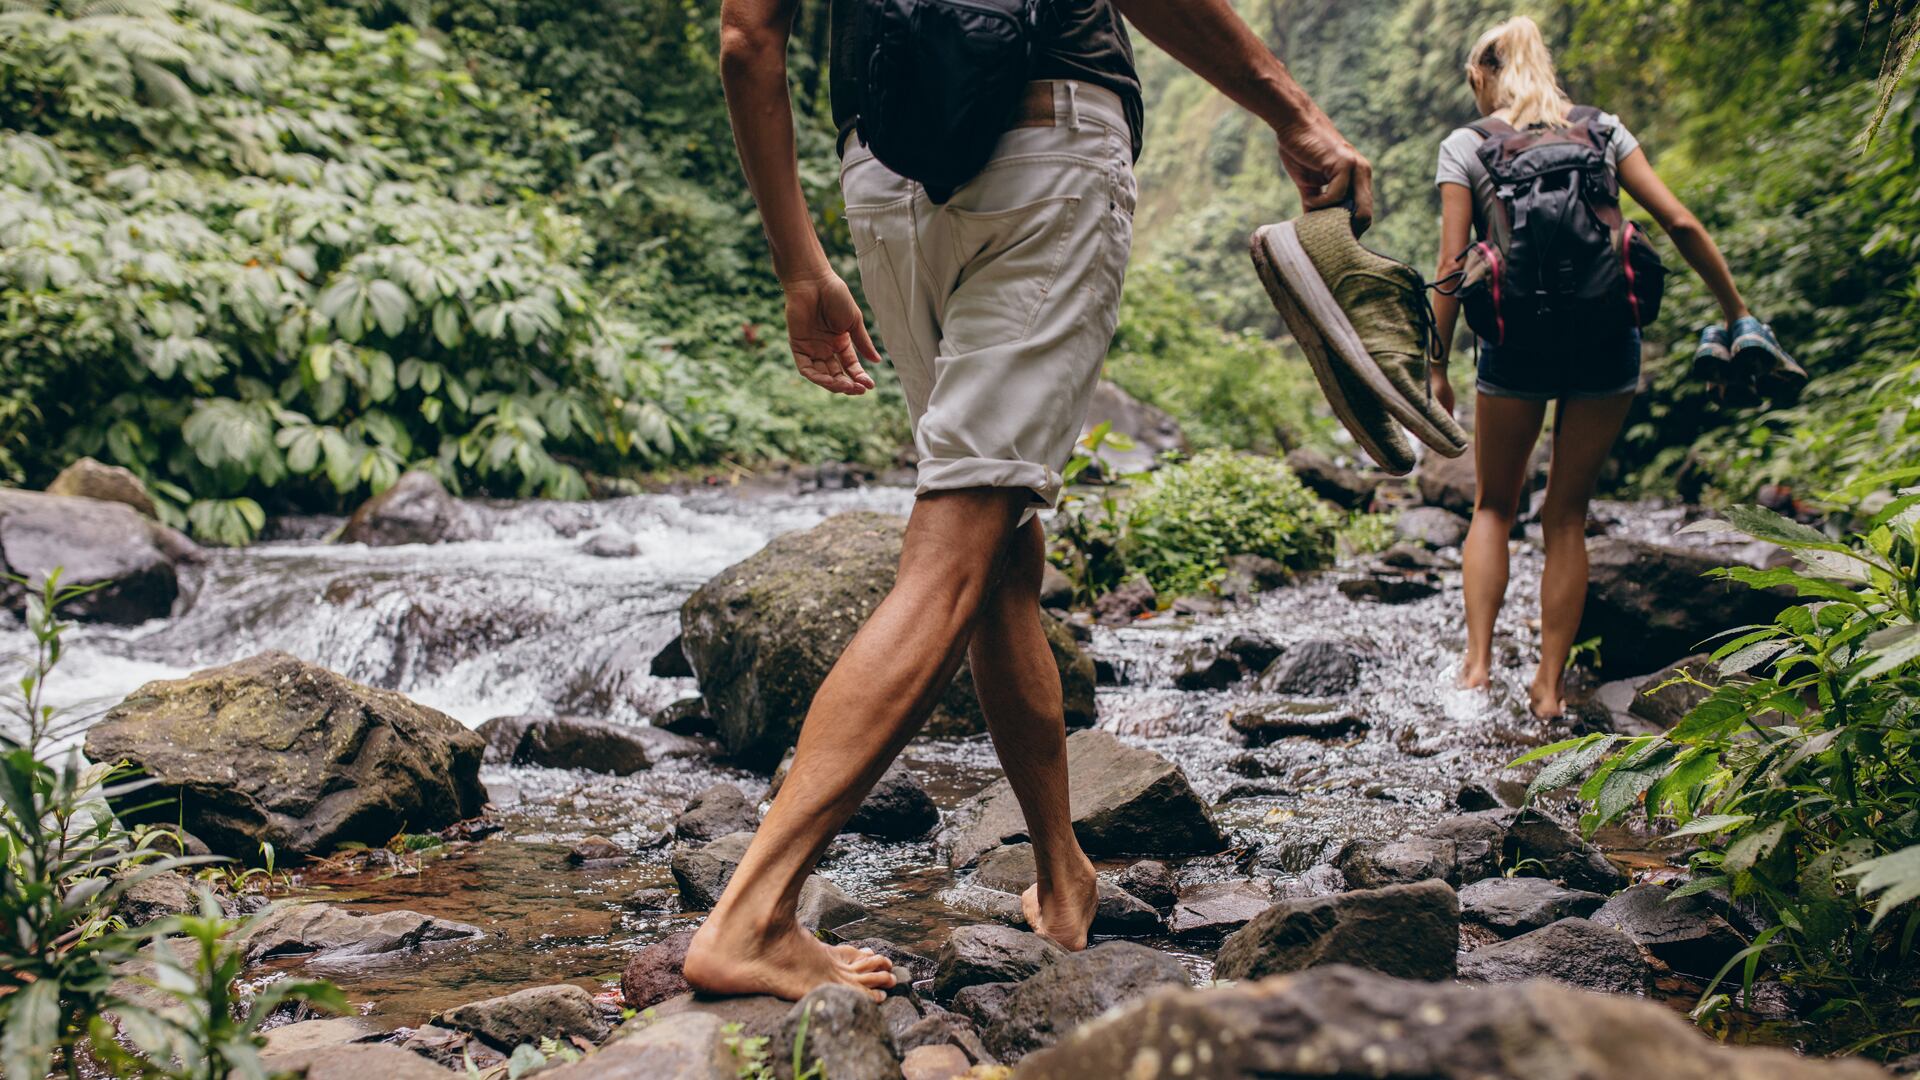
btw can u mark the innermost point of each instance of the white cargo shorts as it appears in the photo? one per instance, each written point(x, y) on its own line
point(997, 307)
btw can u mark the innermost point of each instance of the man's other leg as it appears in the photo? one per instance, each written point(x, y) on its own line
point(874, 700)
point(1019, 687)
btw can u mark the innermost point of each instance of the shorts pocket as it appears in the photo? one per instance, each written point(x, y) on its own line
point(1009, 261)
point(880, 281)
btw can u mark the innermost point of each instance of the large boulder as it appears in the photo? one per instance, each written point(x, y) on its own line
point(762, 635)
point(272, 749)
point(1408, 931)
point(1074, 989)
point(1340, 1022)
point(1650, 605)
point(1124, 801)
point(1572, 951)
point(1661, 700)
point(90, 479)
point(560, 1012)
point(416, 510)
point(1152, 430)
point(133, 559)
point(1333, 482)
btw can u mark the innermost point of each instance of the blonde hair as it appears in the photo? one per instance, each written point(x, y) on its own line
point(1515, 58)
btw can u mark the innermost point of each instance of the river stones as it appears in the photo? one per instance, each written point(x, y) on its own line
point(935, 1061)
point(1206, 666)
point(572, 742)
point(1431, 526)
point(1339, 485)
point(1152, 881)
point(654, 973)
point(272, 749)
point(133, 559)
point(897, 808)
point(1010, 869)
point(1515, 905)
point(763, 634)
point(1152, 430)
point(1657, 699)
point(839, 1031)
point(354, 1063)
point(1684, 933)
point(989, 954)
point(1408, 931)
point(416, 510)
point(702, 874)
point(561, 1012)
point(1388, 587)
point(1124, 801)
point(1076, 988)
point(314, 1034)
point(1650, 604)
point(1447, 483)
point(90, 479)
point(1345, 1022)
point(718, 811)
point(1572, 951)
point(156, 896)
point(685, 1046)
point(1371, 864)
point(1535, 837)
point(330, 932)
point(1261, 723)
point(1318, 667)
point(1215, 909)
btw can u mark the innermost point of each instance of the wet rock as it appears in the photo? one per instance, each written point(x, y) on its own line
point(671, 661)
point(1124, 801)
point(1205, 666)
point(355, 1063)
point(1389, 588)
point(702, 873)
point(1510, 906)
point(1321, 667)
point(654, 973)
point(1056, 588)
point(560, 1012)
point(942, 1028)
point(1447, 482)
point(450, 1048)
point(1249, 575)
point(314, 1034)
point(90, 479)
point(1408, 931)
point(1371, 864)
point(1010, 869)
point(898, 1011)
point(273, 749)
point(1257, 653)
point(1126, 603)
point(1152, 430)
point(1650, 604)
point(1340, 1022)
point(1431, 526)
point(156, 896)
point(939, 1061)
point(1335, 483)
point(1565, 856)
point(984, 1004)
point(1652, 700)
point(1412, 556)
point(326, 931)
point(897, 808)
point(989, 954)
point(1152, 881)
point(1076, 988)
point(720, 810)
point(757, 1015)
point(1479, 843)
point(845, 1037)
point(133, 559)
point(652, 900)
point(1218, 908)
point(686, 1046)
point(416, 510)
point(1685, 934)
point(568, 742)
point(687, 717)
point(1262, 724)
point(1572, 951)
point(610, 545)
point(1474, 795)
point(596, 850)
point(762, 635)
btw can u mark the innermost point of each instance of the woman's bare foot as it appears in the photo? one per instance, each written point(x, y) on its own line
point(1061, 909)
point(1472, 676)
point(787, 963)
point(1547, 703)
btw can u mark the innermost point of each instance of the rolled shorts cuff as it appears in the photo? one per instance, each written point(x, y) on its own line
point(950, 474)
point(1493, 390)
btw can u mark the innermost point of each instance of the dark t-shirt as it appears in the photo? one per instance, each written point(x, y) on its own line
point(1090, 44)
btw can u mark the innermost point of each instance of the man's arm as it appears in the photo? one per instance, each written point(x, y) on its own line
point(1210, 38)
point(824, 324)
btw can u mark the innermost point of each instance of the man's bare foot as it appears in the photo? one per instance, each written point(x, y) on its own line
point(1062, 909)
point(787, 963)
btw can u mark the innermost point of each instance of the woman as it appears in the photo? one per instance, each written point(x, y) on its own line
point(1592, 374)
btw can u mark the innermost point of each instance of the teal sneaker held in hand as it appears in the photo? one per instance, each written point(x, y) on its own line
point(1758, 358)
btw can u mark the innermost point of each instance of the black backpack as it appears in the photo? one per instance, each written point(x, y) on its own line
point(1573, 263)
point(940, 80)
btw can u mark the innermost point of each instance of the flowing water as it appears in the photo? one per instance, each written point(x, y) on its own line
point(531, 621)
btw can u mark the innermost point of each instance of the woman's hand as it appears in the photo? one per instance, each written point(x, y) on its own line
point(1441, 386)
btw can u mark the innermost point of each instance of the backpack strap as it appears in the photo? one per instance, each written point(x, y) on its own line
point(1489, 126)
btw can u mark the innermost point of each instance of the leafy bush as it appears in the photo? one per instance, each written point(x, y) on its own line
point(1799, 774)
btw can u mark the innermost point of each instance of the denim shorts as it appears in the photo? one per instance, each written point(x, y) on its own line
point(1580, 367)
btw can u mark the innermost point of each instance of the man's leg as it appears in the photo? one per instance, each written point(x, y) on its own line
point(1019, 687)
point(874, 700)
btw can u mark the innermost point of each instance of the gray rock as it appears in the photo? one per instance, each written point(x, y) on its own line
point(1335, 483)
point(314, 1034)
point(1218, 908)
point(989, 954)
point(1371, 864)
point(596, 851)
point(1152, 881)
point(845, 1037)
point(1448, 483)
point(687, 717)
point(1406, 555)
point(686, 1046)
point(941, 1028)
point(416, 510)
point(671, 661)
point(1152, 430)
point(1510, 906)
point(90, 479)
point(1432, 526)
point(983, 1004)
point(1479, 842)
point(899, 1012)
point(610, 545)
point(560, 1012)
point(1684, 934)
point(1321, 667)
point(1340, 1022)
point(1010, 869)
point(569, 742)
point(273, 749)
point(897, 808)
point(1573, 951)
point(1260, 723)
point(1076, 988)
point(1408, 931)
point(330, 932)
point(1535, 836)
point(1124, 801)
point(355, 1063)
point(702, 873)
point(1056, 589)
point(1650, 604)
point(718, 811)
point(1205, 666)
point(1389, 588)
point(758, 1016)
point(762, 635)
point(156, 896)
point(654, 973)
point(1249, 575)
point(1127, 602)
point(938, 1061)
point(134, 560)
point(1663, 708)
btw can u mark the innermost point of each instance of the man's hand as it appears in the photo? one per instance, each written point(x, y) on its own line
point(1441, 386)
point(1326, 168)
point(829, 335)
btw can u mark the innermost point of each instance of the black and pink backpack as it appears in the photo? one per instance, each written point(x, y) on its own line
point(1573, 263)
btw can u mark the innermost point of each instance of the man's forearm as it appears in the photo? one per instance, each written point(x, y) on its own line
point(1212, 40)
point(754, 71)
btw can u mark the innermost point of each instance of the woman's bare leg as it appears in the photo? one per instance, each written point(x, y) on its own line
point(1505, 430)
point(1583, 434)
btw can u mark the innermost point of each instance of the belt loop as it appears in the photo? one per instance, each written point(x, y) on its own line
point(1073, 105)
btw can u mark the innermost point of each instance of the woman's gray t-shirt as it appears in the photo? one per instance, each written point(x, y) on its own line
point(1460, 164)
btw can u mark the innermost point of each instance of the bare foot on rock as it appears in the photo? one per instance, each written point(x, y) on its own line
point(1547, 703)
point(787, 963)
point(1061, 910)
point(1471, 677)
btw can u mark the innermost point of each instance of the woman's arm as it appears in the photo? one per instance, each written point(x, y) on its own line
point(1691, 237)
point(1456, 227)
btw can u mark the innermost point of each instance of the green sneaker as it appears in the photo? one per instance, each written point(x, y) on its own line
point(1361, 311)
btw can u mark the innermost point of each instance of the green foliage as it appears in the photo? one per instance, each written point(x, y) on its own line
point(1799, 773)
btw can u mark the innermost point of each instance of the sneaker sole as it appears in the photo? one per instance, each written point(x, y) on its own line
point(1777, 375)
point(1307, 334)
point(1316, 302)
